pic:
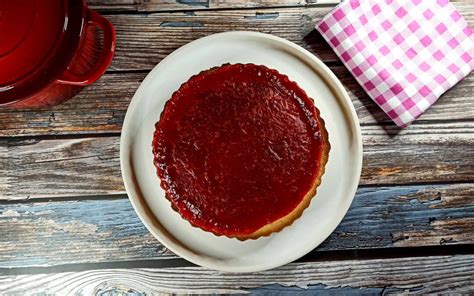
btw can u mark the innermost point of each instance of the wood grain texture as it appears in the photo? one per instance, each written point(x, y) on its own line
point(41, 168)
point(145, 39)
point(166, 5)
point(435, 274)
point(106, 6)
point(101, 108)
point(420, 153)
point(89, 166)
point(104, 230)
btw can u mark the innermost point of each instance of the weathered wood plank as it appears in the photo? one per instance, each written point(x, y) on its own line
point(73, 232)
point(101, 107)
point(420, 153)
point(166, 5)
point(89, 166)
point(143, 40)
point(434, 274)
point(39, 168)
point(103, 230)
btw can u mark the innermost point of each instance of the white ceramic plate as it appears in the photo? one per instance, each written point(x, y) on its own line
point(334, 195)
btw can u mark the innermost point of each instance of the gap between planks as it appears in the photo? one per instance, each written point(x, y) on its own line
point(100, 109)
point(428, 153)
point(123, 194)
point(312, 257)
point(157, 6)
point(85, 231)
point(433, 274)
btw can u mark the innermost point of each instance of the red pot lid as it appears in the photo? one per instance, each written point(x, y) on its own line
point(35, 38)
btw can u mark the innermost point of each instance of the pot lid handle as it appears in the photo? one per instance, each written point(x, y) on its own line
point(105, 57)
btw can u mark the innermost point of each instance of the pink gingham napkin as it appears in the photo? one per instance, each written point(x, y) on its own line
point(405, 53)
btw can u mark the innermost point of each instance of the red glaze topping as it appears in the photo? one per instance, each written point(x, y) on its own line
point(237, 147)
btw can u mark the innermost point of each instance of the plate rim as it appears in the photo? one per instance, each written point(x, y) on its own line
point(142, 209)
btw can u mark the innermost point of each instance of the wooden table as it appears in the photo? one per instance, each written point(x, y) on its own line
point(66, 225)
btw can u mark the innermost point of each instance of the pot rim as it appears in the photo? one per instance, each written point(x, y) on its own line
point(75, 34)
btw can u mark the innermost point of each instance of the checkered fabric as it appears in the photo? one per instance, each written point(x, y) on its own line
point(405, 53)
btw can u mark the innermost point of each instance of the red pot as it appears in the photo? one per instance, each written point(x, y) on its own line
point(50, 50)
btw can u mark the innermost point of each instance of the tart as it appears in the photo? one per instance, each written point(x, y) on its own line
point(240, 150)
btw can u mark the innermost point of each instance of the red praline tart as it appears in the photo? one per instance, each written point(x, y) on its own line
point(240, 150)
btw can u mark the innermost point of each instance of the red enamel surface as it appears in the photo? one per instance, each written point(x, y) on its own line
point(237, 147)
point(49, 50)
